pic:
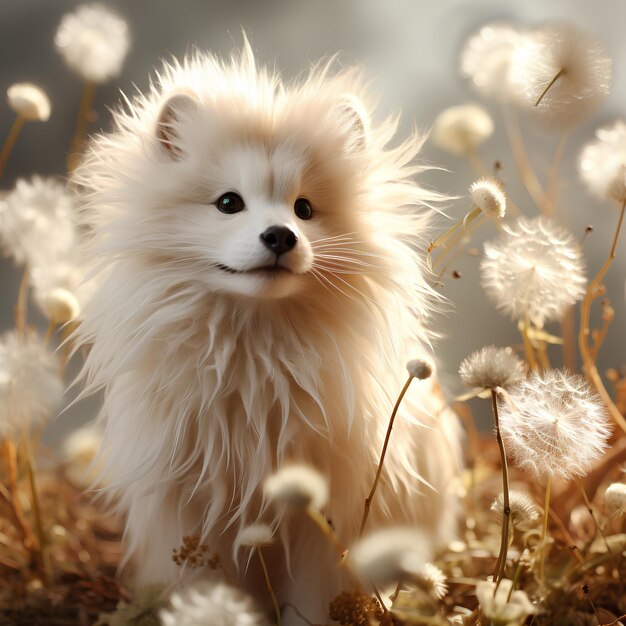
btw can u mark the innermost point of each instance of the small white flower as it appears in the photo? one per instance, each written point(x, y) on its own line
point(93, 42)
point(420, 369)
point(461, 129)
point(29, 102)
point(432, 580)
point(602, 162)
point(297, 487)
point(212, 603)
point(36, 225)
point(492, 367)
point(390, 555)
point(554, 424)
point(486, 58)
point(524, 513)
point(535, 269)
point(31, 388)
point(487, 195)
point(255, 536)
point(615, 498)
point(498, 608)
point(583, 69)
point(80, 449)
point(59, 305)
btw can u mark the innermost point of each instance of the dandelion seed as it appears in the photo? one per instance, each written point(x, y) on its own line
point(255, 536)
point(492, 367)
point(212, 603)
point(390, 555)
point(524, 514)
point(420, 369)
point(615, 498)
point(486, 58)
point(461, 129)
point(560, 73)
point(297, 487)
point(554, 425)
point(31, 388)
point(36, 224)
point(502, 606)
point(93, 42)
point(535, 269)
point(29, 102)
point(602, 162)
point(487, 195)
point(432, 580)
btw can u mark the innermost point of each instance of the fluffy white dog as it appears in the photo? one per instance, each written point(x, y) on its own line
point(261, 293)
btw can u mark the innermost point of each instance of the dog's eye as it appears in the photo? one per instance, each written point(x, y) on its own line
point(303, 209)
point(230, 203)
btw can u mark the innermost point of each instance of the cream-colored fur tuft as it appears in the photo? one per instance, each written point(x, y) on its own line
point(215, 373)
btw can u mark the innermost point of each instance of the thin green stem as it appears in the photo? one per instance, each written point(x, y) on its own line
point(9, 142)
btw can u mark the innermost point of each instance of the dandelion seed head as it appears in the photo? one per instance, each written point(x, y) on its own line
point(501, 609)
point(212, 603)
point(461, 129)
point(29, 102)
point(615, 498)
point(585, 79)
point(432, 580)
point(31, 388)
point(554, 425)
point(93, 42)
point(536, 268)
point(487, 195)
point(492, 367)
point(256, 536)
point(60, 305)
point(297, 487)
point(36, 225)
point(390, 555)
point(524, 514)
point(602, 162)
point(486, 58)
point(420, 369)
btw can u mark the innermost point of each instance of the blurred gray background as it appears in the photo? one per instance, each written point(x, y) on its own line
point(409, 49)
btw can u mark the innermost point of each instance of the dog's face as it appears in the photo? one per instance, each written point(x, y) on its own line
point(259, 207)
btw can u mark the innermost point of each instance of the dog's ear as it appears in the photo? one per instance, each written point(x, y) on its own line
point(352, 111)
point(177, 106)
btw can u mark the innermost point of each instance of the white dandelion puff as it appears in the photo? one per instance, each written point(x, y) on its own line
point(501, 605)
point(297, 487)
point(420, 369)
point(560, 74)
point(536, 268)
point(31, 388)
point(59, 305)
point(255, 536)
point(461, 129)
point(554, 424)
point(36, 225)
point(212, 603)
point(80, 449)
point(615, 498)
point(524, 513)
point(29, 102)
point(432, 580)
point(492, 367)
point(488, 196)
point(390, 555)
point(93, 41)
point(486, 58)
point(602, 162)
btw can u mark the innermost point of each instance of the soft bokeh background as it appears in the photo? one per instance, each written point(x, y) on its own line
point(409, 49)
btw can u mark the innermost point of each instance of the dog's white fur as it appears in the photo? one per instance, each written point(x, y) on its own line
point(211, 379)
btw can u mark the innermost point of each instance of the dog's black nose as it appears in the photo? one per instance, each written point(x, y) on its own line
point(279, 239)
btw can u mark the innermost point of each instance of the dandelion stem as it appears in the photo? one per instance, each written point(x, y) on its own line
point(51, 328)
point(544, 531)
point(269, 585)
point(368, 500)
point(549, 86)
point(9, 142)
point(469, 222)
point(568, 332)
point(528, 346)
point(593, 515)
point(82, 121)
point(21, 306)
point(506, 514)
point(588, 357)
point(551, 193)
